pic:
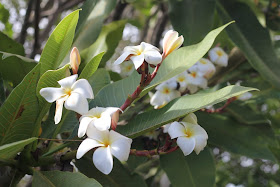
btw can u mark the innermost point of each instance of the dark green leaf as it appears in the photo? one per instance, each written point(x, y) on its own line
point(62, 179)
point(192, 18)
point(192, 170)
point(254, 40)
point(19, 112)
point(11, 65)
point(10, 46)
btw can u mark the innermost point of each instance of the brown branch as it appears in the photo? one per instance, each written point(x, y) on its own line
point(144, 32)
point(221, 109)
point(25, 24)
point(117, 13)
point(36, 45)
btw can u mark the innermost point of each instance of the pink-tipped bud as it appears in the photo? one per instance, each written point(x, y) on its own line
point(115, 119)
point(75, 60)
point(171, 42)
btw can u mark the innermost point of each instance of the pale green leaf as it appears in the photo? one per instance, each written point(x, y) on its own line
point(9, 151)
point(59, 43)
point(192, 170)
point(177, 108)
point(91, 66)
point(62, 179)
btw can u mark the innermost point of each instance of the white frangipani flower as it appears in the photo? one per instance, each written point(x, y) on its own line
point(171, 42)
point(206, 68)
point(195, 77)
point(189, 136)
point(218, 56)
point(109, 144)
point(182, 80)
point(99, 117)
point(127, 68)
point(73, 94)
point(165, 93)
point(140, 53)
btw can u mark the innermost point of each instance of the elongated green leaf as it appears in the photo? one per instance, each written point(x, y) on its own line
point(9, 151)
point(2, 92)
point(192, 170)
point(10, 46)
point(192, 18)
point(59, 43)
point(150, 120)
point(19, 112)
point(107, 41)
point(88, 31)
point(176, 63)
point(91, 66)
point(249, 140)
point(119, 177)
point(62, 179)
point(252, 39)
point(11, 65)
point(49, 79)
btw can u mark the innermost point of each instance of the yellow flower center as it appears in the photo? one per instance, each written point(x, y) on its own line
point(128, 68)
point(188, 133)
point(181, 79)
point(193, 74)
point(219, 53)
point(68, 91)
point(166, 91)
point(203, 62)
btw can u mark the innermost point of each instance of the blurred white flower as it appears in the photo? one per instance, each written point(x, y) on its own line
point(75, 60)
point(171, 42)
point(205, 67)
point(109, 144)
point(189, 136)
point(218, 56)
point(190, 118)
point(165, 93)
point(99, 117)
point(73, 93)
point(195, 77)
point(182, 80)
point(166, 127)
point(127, 68)
point(140, 53)
point(245, 96)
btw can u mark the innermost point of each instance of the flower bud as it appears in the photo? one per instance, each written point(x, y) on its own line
point(171, 42)
point(75, 60)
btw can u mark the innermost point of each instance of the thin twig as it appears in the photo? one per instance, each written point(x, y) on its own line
point(25, 24)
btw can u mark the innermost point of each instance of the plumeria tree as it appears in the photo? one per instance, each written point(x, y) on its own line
point(166, 110)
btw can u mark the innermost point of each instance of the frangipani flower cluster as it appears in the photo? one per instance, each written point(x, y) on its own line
point(190, 136)
point(95, 123)
point(190, 81)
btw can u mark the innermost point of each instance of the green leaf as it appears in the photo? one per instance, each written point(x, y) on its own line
point(62, 179)
point(248, 140)
point(49, 79)
point(19, 112)
point(12, 64)
point(4, 18)
point(59, 43)
point(192, 18)
point(176, 63)
point(91, 66)
point(94, 14)
point(192, 170)
point(252, 39)
point(2, 92)
point(177, 108)
point(10, 46)
point(246, 115)
point(9, 151)
point(119, 176)
point(107, 41)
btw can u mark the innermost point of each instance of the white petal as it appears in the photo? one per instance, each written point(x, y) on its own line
point(222, 61)
point(114, 136)
point(199, 131)
point(103, 123)
point(152, 57)
point(245, 96)
point(77, 103)
point(200, 143)
point(121, 149)
point(51, 94)
point(112, 110)
point(146, 47)
point(166, 127)
point(85, 146)
point(122, 58)
point(68, 81)
point(158, 99)
point(137, 60)
point(103, 160)
point(168, 41)
point(94, 133)
point(59, 109)
point(176, 130)
point(190, 118)
point(83, 87)
point(186, 145)
point(84, 122)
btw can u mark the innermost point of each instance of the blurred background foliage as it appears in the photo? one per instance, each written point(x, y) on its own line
point(244, 140)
